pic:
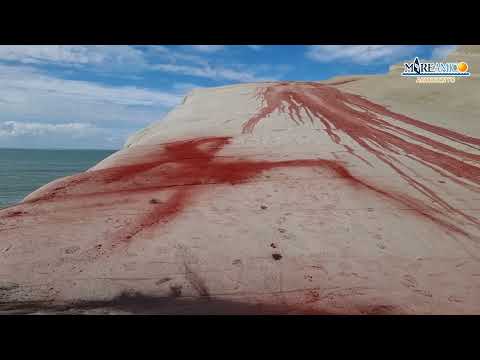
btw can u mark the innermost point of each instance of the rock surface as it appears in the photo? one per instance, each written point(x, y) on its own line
point(356, 195)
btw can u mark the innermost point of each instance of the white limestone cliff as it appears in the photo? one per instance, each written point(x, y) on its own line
point(353, 195)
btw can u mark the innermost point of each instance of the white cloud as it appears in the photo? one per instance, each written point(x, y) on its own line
point(170, 54)
point(15, 128)
point(74, 55)
point(442, 51)
point(39, 105)
point(185, 87)
point(242, 76)
point(360, 54)
point(51, 135)
point(123, 60)
point(255, 47)
point(29, 96)
point(27, 89)
point(207, 48)
point(199, 66)
point(216, 73)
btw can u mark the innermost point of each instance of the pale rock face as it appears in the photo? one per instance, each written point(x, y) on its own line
point(354, 195)
point(470, 54)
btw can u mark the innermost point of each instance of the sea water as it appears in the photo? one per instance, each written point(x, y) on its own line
point(23, 171)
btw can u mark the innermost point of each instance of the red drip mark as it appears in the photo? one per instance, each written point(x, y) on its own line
point(15, 214)
point(350, 115)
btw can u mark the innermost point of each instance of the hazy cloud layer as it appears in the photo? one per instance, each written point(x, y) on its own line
point(68, 55)
point(27, 93)
point(51, 135)
point(441, 52)
point(217, 73)
point(208, 48)
point(361, 54)
point(80, 88)
point(96, 95)
point(128, 58)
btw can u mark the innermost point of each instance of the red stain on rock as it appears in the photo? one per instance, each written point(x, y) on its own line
point(181, 167)
point(15, 214)
point(192, 163)
point(185, 168)
point(354, 117)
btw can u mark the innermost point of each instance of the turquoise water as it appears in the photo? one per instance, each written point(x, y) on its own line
point(23, 171)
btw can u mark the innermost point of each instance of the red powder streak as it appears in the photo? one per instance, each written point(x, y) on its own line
point(182, 166)
point(364, 122)
point(195, 164)
point(15, 214)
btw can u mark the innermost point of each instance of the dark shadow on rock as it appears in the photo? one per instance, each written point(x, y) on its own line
point(141, 304)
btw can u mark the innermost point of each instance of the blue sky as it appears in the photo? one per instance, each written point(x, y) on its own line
point(79, 96)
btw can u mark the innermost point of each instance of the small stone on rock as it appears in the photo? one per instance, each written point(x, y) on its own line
point(276, 256)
